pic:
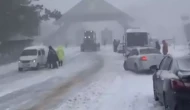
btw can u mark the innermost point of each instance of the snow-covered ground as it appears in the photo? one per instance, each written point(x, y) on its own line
point(69, 53)
point(92, 81)
point(17, 88)
point(116, 89)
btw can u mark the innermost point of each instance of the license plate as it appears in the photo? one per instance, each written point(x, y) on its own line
point(26, 65)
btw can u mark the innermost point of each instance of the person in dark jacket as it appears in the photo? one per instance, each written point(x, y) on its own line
point(165, 47)
point(158, 45)
point(114, 45)
point(52, 58)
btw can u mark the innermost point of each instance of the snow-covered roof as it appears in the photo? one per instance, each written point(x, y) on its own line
point(135, 30)
point(35, 47)
point(96, 9)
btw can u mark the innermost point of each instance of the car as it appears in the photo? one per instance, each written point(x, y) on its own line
point(171, 82)
point(140, 59)
point(33, 57)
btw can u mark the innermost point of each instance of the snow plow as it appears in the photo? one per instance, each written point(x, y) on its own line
point(89, 42)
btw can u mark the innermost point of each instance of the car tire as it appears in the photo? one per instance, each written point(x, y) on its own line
point(155, 94)
point(125, 66)
point(178, 107)
point(136, 68)
point(37, 67)
point(20, 69)
point(165, 103)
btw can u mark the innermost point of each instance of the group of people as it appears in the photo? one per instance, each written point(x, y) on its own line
point(115, 44)
point(55, 58)
point(164, 47)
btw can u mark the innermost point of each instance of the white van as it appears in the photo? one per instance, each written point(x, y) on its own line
point(33, 57)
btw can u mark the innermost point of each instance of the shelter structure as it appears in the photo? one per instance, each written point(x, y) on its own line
point(93, 10)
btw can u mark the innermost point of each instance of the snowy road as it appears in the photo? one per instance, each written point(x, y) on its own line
point(117, 89)
point(87, 81)
point(20, 89)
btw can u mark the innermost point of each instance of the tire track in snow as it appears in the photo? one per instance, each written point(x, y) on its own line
point(30, 87)
point(57, 95)
point(15, 75)
point(90, 98)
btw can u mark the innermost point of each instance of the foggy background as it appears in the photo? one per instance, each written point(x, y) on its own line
point(162, 18)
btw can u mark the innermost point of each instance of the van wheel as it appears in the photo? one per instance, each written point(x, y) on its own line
point(136, 68)
point(37, 67)
point(165, 103)
point(20, 69)
point(125, 66)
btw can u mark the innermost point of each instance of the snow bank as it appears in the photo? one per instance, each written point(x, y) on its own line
point(178, 50)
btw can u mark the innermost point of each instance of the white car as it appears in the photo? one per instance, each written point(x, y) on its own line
point(33, 57)
point(141, 58)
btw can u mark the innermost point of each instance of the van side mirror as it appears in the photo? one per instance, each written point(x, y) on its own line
point(154, 68)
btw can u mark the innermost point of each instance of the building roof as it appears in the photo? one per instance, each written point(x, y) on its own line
point(90, 10)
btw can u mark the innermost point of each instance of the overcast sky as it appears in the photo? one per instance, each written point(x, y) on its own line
point(160, 17)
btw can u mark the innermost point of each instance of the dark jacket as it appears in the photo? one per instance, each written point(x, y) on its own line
point(52, 56)
point(158, 45)
point(165, 47)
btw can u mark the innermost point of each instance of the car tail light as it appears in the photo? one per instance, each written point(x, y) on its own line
point(177, 84)
point(143, 58)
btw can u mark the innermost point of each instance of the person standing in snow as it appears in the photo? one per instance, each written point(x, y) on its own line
point(60, 54)
point(52, 58)
point(158, 45)
point(165, 47)
point(114, 45)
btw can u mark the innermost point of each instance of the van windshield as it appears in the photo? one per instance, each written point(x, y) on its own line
point(31, 52)
point(137, 39)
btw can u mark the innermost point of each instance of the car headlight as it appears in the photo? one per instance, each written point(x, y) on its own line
point(19, 61)
point(34, 61)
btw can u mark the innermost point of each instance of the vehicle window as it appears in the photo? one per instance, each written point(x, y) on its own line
point(149, 51)
point(167, 63)
point(39, 53)
point(43, 52)
point(162, 63)
point(137, 39)
point(133, 52)
point(174, 66)
point(184, 63)
point(30, 52)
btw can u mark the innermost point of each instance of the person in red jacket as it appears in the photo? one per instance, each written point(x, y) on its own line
point(165, 47)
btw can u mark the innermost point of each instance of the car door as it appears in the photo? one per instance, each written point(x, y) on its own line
point(134, 58)
point(163, 75)
point(157, 76)
point(43, 56)
point(130, 59)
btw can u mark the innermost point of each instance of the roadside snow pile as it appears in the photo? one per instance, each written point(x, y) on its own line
point(178, 50)
point(130, 92)
point(8, 68)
